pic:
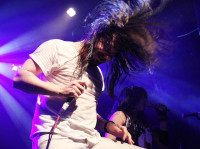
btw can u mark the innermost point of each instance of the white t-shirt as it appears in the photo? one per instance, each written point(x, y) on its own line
point(58, 61)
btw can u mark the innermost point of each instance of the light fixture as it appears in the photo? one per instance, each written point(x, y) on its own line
point(71, 12)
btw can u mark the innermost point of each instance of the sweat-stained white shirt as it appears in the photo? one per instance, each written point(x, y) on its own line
point(58, 61)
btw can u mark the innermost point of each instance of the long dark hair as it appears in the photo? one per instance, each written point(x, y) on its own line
point(122, 29)
point(131, 97)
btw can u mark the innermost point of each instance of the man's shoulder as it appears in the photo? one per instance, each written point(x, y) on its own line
point(57, 41)
point(61, 46)
point(60, 43)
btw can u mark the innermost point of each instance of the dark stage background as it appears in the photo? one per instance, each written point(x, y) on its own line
point(25, 24)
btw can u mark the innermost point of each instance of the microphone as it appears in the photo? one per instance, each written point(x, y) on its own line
point(193, 114)
point(67, 103)
point(62, 110)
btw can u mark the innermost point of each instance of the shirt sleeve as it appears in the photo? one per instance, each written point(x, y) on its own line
point(46, 56)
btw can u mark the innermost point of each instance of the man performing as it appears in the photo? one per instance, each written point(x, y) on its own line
point(72, 81)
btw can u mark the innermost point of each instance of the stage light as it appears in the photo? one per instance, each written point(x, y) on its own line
point(71, 12)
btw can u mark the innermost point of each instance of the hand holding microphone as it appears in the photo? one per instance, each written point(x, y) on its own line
point(72, 92)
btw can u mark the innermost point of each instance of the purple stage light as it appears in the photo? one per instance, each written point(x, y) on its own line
point(15, 67)
point(6, 70)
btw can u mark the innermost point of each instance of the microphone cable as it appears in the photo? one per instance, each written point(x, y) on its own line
point(62, 110)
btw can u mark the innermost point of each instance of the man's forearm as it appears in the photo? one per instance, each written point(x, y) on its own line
point(28, 82)
point(105, 125)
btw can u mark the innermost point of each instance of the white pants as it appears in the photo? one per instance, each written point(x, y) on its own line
point(64, 143)
point(106, 143)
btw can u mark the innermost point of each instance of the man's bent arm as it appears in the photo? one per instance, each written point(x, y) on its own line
point(28, 81)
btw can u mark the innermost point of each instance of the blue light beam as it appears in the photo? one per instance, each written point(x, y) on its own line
point(16, 113)
point(6, 70)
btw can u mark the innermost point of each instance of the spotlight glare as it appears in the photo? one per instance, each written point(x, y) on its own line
point(15, 68)
point(71, 12)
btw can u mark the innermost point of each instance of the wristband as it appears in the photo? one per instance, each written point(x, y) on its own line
point(105, 125)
